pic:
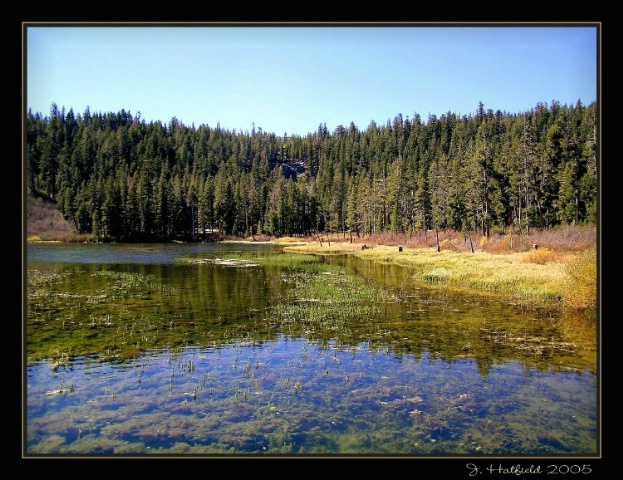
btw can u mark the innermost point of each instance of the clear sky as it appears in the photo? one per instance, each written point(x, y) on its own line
point(290, 79)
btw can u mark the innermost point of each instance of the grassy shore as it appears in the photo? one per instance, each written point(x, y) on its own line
point(514, 274)
point(546, 268)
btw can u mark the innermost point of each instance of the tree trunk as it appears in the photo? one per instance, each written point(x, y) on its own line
point(437, 236)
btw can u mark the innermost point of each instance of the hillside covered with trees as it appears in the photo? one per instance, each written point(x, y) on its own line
point(119, 178)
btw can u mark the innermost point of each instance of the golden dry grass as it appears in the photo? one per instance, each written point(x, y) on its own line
point(580, 281)
point(526, 276)
point(507, 264)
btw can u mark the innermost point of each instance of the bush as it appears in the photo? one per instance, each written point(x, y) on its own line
point(445, 244)
point(542, 256)
point(501, 244)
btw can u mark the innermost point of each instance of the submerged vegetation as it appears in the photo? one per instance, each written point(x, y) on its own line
point(256, 351)
point(93, 318)
point(112, 314)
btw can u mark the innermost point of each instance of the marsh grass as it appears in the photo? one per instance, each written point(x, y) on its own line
point(325, 299)
point(437, 275)
point(504, 264)
point(92, 321)
point(527, 277)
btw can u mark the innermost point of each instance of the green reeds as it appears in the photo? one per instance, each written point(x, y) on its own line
point(327, 301)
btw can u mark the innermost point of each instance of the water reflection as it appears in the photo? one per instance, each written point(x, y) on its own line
point(181, 358)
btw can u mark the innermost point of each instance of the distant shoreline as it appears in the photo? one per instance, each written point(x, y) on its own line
point(535, 269)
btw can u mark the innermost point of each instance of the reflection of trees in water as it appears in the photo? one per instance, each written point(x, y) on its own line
point(200, 305)
point(452, 326)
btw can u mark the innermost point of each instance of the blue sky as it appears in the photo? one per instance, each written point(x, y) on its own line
point(289, 79)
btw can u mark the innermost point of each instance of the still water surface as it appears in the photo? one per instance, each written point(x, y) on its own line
point(181, 349)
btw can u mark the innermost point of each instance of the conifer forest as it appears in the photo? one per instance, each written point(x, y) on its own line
point(119, 178)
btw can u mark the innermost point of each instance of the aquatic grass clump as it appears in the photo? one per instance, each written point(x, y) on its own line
point(437, 275)
point(329, 302)
point(288, 260)
point(37, 279)
point(125, 281)
point(240, 258)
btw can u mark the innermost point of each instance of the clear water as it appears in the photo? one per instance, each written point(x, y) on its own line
point(135, 350)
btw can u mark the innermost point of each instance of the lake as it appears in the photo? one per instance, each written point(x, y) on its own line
point(243, 349)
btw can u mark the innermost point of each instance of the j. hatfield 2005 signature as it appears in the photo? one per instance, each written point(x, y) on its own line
point(531, 470)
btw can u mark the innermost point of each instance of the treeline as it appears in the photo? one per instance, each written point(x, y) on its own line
point(117, 177)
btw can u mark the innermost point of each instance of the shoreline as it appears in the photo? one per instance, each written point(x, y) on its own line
point(537, 278)
point(526, 278)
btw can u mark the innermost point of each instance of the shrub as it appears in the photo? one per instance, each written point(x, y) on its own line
point(570, 238)
point(499, 244)
point(542, 256)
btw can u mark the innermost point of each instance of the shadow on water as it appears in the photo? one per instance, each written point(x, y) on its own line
point(211, 350)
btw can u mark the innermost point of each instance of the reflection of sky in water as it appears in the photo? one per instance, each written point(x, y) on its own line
point(295, 384)
point(142, 253)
